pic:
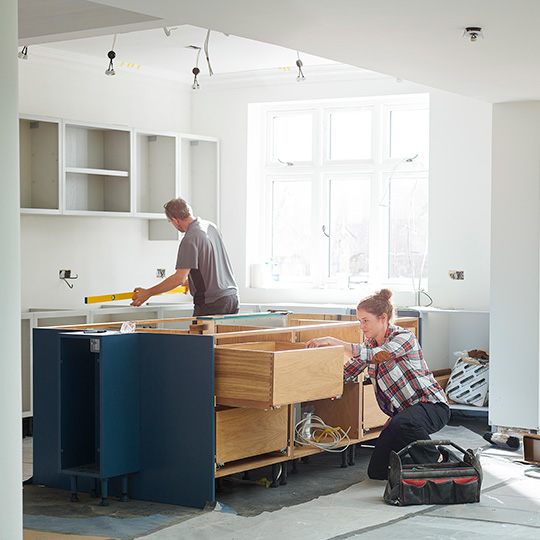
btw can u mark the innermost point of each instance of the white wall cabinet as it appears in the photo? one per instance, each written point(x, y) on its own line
point(97, 169)
point(77, 168)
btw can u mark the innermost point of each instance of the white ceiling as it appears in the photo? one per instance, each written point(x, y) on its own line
point(416, 40)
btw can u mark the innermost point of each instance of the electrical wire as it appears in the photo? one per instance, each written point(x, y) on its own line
point(310, 431)
point(207, 54)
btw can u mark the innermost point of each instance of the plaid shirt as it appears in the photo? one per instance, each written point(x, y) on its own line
point(397, 369)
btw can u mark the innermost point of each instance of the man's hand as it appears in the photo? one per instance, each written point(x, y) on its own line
point(140, 297)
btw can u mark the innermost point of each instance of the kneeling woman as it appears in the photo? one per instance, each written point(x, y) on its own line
point(404, 386)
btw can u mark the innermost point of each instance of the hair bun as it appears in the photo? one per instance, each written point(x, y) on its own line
point(385, 294)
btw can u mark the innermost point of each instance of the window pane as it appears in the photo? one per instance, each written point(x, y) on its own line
point(292, 138)
point(350, 134)
point(291, 227)
point(409, 134)
point(407, 257)
point(349, 228)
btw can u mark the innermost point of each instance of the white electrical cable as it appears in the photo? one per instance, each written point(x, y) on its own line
point(312, 429)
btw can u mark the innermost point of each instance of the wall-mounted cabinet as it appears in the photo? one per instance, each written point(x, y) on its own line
point(97, 169)
point(156, 170)
point(40, 145)
point(76, 168)
point(200, 175)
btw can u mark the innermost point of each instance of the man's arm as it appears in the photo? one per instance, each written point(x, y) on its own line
point(178, 278)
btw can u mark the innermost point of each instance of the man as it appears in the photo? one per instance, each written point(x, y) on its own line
point(202, 261)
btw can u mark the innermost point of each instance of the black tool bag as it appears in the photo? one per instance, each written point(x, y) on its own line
point(448, 482)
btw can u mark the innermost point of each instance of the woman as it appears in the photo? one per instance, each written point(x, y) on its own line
point(404, 387)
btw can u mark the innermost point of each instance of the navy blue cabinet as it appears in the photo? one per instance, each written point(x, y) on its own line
point(99, 409)
point(108, 406)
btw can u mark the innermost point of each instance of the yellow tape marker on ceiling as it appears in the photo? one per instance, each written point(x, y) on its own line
point(124, 296)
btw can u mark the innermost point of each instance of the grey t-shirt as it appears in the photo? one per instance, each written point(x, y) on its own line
point(203, 251)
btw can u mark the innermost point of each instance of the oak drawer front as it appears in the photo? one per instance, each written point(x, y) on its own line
point(373, 417)
point(243, 433)
point(270, 374)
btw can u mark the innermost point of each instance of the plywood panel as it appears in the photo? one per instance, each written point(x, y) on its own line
point(345, 412)
point(373, 417)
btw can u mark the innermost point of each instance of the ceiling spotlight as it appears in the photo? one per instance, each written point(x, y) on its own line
point(473, 33)
point(110, 69)
point(195, 70)
point(299, 63)
point(195, 85)
point(23, 54)
point(111, 55)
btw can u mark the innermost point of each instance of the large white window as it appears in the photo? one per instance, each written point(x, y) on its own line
point(345, 191)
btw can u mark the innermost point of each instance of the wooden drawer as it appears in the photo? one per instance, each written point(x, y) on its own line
point(269, 374)
point(243, 433)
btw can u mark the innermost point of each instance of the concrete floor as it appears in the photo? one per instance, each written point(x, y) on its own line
point(321, 502)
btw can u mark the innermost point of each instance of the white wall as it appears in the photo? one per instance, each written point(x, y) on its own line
point(515, 265)
point(10, 284)
point(459, 194)
point(109, 254)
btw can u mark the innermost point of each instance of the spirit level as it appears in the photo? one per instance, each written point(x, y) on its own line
point(125, 296)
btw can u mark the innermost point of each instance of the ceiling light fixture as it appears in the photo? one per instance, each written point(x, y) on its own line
point(299, 63)
point(111, 55)
point(473, 33)
point(195, 70)
point(23, 54)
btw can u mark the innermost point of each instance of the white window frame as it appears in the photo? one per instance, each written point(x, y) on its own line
point(321, 169)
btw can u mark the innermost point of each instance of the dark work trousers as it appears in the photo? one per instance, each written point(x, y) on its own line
point(415, 423)
point(226, 305)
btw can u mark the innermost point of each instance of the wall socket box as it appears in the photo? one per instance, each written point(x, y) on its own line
point(456, 274)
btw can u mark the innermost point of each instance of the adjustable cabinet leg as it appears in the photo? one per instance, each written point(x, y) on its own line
point(344, 459)
point(276, 469)
point(352, 454)
point(246, 476)
point(294, 466)
point(74, 482)
point(124, 497)
point(283, 479)
point(219, 485)
point(104, 492)
point(94, 492)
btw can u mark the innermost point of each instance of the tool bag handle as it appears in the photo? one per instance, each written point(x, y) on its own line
point(430, 442)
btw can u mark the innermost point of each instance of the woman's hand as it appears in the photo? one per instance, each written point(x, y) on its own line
point(322, 342)
point(329, 341)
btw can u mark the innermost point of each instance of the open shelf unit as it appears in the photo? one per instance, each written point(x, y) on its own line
point(88, 169)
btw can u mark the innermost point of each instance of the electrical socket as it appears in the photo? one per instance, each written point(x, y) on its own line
point(456, 274)
point(160, 272)
point(64, 274)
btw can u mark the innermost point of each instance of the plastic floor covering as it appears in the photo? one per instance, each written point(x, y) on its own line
point(509, 507)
